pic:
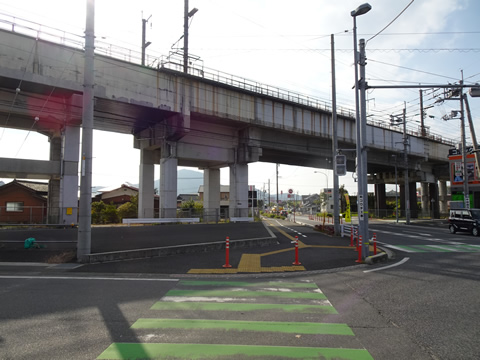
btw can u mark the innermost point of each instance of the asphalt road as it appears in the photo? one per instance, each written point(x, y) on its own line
point(422, 305)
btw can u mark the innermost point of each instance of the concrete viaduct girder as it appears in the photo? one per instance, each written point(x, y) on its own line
point(194, 120)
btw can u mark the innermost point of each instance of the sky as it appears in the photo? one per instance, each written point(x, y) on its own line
point(280, 43)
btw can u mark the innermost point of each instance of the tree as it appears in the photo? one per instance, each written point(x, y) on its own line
point(110, 214)
point(129, 209)
point(97, 210)
point(103, 213)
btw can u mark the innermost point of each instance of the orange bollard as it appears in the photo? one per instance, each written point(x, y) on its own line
point(374, 243)
point(359, 260)
point(227, 253)
point(296, 252)
point(351, 237)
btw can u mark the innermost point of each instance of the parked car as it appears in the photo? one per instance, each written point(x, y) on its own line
point(467, 220)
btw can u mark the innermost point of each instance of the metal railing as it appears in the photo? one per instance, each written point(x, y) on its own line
point(175, 62)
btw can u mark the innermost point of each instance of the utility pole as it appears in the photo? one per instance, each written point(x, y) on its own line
point(362, 177)
point(405, 154)
point(472, 133)
point(466, 195)
point(268, 192)
point(278, 204)
point(336, 210)
point(185, 38)
point(84, 239)
point(396, 191)
point(422, 115)
point(186, 15)
point(144, 43)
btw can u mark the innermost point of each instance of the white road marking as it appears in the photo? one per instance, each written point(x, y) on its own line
point(443, 247)
point(218, 299)
point(399, 248)
point(416, 233)
point(80, 278)
point(404, 260)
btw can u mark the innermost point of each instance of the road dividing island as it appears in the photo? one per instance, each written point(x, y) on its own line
point(252, 263)
point(207, 319)
point(376, 257)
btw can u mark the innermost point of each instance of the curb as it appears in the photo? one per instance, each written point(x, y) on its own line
point(385, 255)
point(175, 250)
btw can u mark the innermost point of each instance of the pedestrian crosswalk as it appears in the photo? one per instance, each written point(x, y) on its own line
point(435, 248)
point(240, 320)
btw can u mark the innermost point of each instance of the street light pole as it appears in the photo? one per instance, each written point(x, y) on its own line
point(361, 125)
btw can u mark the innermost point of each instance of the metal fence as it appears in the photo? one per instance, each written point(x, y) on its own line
point(34, 215)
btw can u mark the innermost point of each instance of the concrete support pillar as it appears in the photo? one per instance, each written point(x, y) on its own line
point(168, 187)
point(426, 208)
point(211, 194)
point(238, 204)
point(442, 199)
point(380, 200)
point(433, 200)
point(53, 202)
point(413, 200)
point(69, 177)
point(146, 189)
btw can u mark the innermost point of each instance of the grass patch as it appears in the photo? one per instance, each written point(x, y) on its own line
point(62, 258)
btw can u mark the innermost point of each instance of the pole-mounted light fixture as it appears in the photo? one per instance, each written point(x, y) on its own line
point(362, 9)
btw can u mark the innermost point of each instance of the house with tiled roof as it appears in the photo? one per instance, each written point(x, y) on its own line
point(23, 202)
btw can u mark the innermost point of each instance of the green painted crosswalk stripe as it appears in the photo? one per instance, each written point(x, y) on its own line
point(279, 284)
point(410, 248)
point(241, 325)
point(246, 293)
point(123, 351)
point(433, 248)
point(458, 248)
point(446, 248)
point(243, 307)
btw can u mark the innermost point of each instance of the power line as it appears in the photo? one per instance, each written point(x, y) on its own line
point(391, 22)
point(416, 70)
